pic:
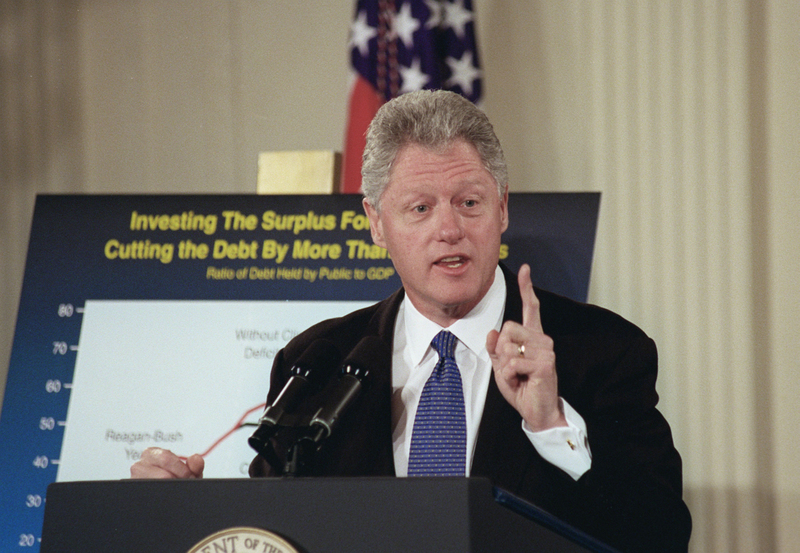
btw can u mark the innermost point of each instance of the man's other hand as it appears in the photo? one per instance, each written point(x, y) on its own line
point(156, 462)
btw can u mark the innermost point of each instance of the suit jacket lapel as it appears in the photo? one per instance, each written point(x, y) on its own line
point(376, 423)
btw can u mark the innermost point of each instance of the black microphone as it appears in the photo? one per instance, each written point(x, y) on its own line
point(354, 375)
point(309, 369)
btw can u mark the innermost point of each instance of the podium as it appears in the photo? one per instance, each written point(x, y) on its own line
point(314, 515)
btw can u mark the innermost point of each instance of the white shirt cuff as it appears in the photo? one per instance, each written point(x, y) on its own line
point(566, 447)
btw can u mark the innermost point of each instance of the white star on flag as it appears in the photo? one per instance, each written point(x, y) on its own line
point(413, 77)
point(464, 72)
point(404, 25)
point(435, 17)
point(456, 16)
point(361, 33)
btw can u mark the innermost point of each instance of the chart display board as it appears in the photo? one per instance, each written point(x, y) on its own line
point(174, 364)
point(153, 320)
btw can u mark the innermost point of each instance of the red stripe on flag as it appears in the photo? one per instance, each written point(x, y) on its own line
point(364, 104)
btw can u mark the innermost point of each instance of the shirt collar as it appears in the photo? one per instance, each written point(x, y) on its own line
point(471, 330)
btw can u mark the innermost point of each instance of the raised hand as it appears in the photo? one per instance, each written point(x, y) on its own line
point(524, 363)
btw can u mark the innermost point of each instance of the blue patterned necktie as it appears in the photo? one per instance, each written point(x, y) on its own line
point(439, 438)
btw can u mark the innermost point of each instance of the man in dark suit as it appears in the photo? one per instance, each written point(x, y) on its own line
point(558, 400)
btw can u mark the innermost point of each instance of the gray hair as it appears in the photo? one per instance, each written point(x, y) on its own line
point(433, 119)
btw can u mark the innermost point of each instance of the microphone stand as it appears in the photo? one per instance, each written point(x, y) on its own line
point(301, 456)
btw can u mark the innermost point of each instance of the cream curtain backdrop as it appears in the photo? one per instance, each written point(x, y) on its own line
point(683, 114)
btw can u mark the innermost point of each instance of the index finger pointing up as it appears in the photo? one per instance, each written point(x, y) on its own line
point(530, 303)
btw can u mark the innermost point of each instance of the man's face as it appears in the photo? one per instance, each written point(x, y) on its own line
point(441, 219)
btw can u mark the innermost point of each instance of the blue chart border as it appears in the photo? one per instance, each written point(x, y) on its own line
point(67, 265)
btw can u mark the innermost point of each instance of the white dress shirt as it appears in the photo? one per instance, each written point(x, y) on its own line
point(413, 361)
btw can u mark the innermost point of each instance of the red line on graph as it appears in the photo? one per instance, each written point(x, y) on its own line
point(236, 427)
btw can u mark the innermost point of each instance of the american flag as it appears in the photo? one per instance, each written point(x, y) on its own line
point(397, 46)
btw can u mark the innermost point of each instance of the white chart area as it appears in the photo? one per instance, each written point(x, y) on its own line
point(178, 375)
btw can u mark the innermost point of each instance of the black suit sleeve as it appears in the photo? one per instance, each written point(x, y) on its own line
point(632, 495)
